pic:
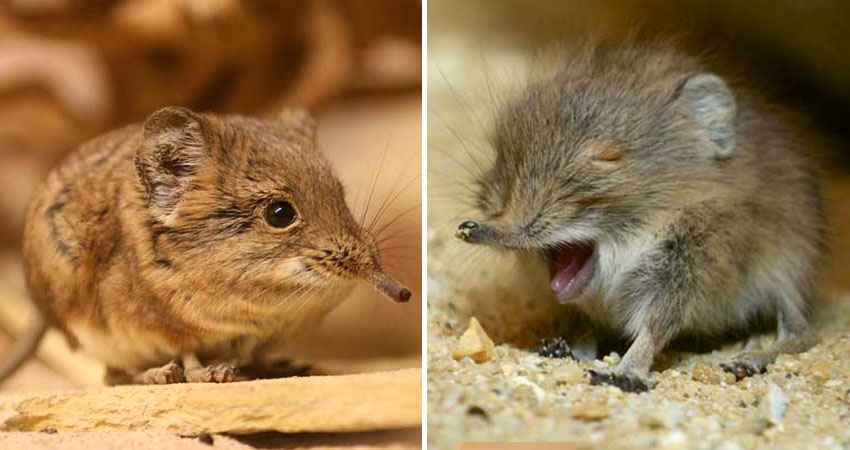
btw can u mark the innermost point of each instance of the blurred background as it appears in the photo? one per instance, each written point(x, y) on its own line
point(481, 52)
point(73, 69)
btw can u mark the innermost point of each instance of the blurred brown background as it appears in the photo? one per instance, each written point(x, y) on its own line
point(72, 69)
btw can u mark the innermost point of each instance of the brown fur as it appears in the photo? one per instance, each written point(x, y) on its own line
point(699, 198)
point(150, 244)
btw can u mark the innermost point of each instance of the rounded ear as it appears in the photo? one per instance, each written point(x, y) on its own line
point(299, 121)
point(707, 99)
point(171, 151)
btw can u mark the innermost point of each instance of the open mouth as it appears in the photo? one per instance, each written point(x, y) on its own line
point(571, 267)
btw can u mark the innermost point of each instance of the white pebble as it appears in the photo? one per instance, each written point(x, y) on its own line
point(539, 393)
point(774, 404)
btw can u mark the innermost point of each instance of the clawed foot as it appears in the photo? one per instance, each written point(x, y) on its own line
point(555, 348)
point(167, 374)
point(215, 373)
point(745, 365)
point(627, 382)
point(175, 372)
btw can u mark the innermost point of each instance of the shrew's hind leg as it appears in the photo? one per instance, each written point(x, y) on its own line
point(632, 373)
point(794, 335)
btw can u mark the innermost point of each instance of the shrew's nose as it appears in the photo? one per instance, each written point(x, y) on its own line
point(465, 229)
point(389, 287)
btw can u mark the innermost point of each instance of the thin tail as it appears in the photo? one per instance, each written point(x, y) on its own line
point(23, 348)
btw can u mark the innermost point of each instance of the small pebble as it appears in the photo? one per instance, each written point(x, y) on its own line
point(477, 411)
point(667, 415)
point(474, 343)
point(538, 391)
point(708, 373)
point(590, 411)
point(569, 374)
point(818, 371)
point(612, 359)
point(673, 439)
point(774, 404)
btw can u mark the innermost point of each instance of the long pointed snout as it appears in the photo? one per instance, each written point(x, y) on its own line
point(485, 233)
point(480, 233)
point(390, 287)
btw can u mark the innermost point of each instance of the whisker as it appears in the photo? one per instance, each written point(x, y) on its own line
point(397, 247)
point(471, 172)
point(396, 218)
point(375, 179)
point(390, 198)
point(463, 141)
point(397, 234)
point(464, 106)
point(386, 204)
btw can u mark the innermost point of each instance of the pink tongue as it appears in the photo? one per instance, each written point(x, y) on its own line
point(573, 270)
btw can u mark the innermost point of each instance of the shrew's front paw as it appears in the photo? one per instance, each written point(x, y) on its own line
point(168, 374)
point(216, 373)
point(627, 382)
point(555, 348)
point(745, 365)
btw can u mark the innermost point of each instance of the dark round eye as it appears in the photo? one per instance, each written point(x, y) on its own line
point(281, 214)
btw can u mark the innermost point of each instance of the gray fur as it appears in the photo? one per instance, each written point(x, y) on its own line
point(701, 203)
